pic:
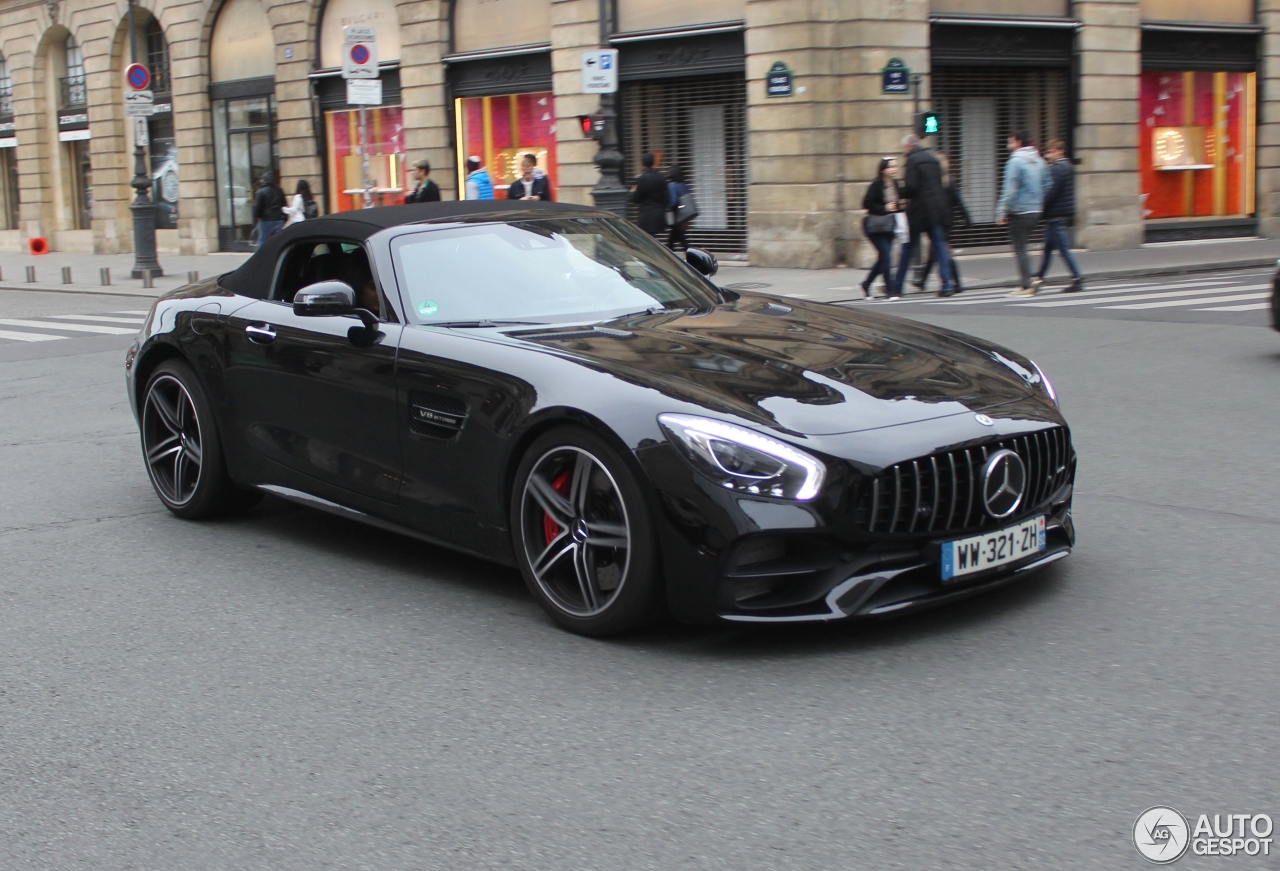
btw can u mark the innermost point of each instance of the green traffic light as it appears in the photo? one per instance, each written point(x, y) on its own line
point(930, 124)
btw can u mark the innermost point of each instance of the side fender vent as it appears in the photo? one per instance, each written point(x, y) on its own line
point(436, 416)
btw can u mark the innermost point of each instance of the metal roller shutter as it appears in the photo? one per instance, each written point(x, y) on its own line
point(979, 109)
point(699, 124)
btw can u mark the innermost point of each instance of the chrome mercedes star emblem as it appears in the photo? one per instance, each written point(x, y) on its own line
point(1004, 481)
point(579, 531)
point(984, 420)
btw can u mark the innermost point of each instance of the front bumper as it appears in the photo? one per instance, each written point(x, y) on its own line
point(732, 559)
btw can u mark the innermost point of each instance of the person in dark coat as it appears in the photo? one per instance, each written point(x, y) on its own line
point(881, 202)
point(651, 194)
point(1059, 213)
point(268, 208)
point(425, 191)
point(927, 210)
point(677, 188)
point(955, 206)
point(529, 186)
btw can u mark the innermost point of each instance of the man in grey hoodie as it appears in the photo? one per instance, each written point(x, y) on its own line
point(1021, 202)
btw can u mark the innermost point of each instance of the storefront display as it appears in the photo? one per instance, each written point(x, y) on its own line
point(499, 129)
point(1197, 143)
point(385, 144)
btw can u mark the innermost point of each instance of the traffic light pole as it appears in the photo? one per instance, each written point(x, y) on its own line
point(142, 209)
point(610, 193)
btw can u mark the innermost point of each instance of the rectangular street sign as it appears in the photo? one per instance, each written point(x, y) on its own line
point(600, 71)
point(364, 92)
point(139, 104)
point(360, 60)
point(358, 33)
point(140, 137)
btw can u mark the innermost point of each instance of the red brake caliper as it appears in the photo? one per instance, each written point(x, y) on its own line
point(550, 529)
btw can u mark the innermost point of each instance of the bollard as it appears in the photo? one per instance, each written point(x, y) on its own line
point(146, 278)
point(1, 275)
point(66, 275)
point(193, 277)
point(31, 275)
point(104, 276)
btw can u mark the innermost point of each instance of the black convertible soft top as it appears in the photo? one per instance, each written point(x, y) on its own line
point(253, 277)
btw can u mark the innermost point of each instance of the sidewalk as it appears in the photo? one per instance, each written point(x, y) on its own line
point(978, 270)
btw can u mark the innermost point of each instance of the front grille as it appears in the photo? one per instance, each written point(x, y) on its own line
point(942, 493)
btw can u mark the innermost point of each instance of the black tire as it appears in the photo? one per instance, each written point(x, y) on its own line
point(583, 535)
point(181, 448)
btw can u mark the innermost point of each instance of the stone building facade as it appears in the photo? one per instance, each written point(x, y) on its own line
point(1171, 108)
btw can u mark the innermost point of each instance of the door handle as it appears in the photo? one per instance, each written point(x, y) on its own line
point(262, 335)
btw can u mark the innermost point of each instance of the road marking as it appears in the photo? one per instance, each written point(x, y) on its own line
point(1082, 297)
point(1178, 302)
point(77, 328)
point(1202, 291)
point(27, 337)
point(1250, 307)
point(131, 313)
point(103, 318)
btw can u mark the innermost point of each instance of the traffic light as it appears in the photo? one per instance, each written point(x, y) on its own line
point(592, 125)
point(928, 124)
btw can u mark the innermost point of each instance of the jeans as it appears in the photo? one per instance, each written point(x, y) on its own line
point(937, 237)
point(267, 229)
point(1055, 239)
point(884, 260)
point(1020, 226)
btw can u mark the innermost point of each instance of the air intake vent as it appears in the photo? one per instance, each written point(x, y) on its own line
point(436, 416)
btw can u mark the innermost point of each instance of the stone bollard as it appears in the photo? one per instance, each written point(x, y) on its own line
point(31, 275)
point(193, 277)
point(104, 276)
point(66, 275)
point(147, 280)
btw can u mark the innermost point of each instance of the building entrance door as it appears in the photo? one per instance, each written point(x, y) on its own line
point(244, 146)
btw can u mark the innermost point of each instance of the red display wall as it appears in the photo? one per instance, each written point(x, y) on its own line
point(386, 157)
point(1197, 143)
point(499, 129)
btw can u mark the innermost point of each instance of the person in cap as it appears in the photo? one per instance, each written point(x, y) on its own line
point(424, 190)
point(479, 184)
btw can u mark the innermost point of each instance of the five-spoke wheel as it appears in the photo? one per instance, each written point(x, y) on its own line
point(583, 535)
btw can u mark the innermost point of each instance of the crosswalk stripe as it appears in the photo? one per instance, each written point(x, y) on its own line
point(104, 318)
point(1202, 291)
point(132, 313)
point(75, 328)
point(27, 337)
point(1249, 307)
point(1087, 297)
point(1180, 302)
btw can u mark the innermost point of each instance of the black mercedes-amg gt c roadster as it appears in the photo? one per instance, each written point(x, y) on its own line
point(546, 386)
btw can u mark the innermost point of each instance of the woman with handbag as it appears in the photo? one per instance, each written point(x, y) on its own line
point(679, 198)
point(882, 204)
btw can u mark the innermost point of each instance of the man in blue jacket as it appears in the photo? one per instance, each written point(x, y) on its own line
point(479, 186)
point(1059, 212)
point(1021, 203)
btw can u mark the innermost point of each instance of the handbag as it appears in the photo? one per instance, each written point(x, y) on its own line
point(878, 224)
point(686, 209)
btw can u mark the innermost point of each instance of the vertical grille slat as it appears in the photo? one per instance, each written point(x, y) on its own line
point(943, 492)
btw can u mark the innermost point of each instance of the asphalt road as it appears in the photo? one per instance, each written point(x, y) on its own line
point(287, 690)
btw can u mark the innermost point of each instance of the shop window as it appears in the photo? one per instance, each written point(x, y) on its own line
point(74, 93)
point(80, 183)
point(158, 58)
point(1197, 143)
point(8, 188)
point(384, 134)
point(500, 129)
point(6, 90)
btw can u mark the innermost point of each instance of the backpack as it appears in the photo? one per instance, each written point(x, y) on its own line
point(310, 209)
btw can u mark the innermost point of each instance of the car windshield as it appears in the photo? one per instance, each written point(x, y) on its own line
point(541, 271)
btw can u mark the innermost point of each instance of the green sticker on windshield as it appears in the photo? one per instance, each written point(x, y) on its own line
point(427, 308)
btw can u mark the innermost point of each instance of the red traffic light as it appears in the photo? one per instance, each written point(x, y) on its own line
point(584, 121)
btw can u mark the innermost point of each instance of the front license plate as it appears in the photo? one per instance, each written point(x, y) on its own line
point(969, 555)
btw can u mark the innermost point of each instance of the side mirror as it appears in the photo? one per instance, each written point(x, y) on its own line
point(703, 261)
point(325, 298)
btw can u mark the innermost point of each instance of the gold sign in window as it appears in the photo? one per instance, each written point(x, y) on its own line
point(1177, 147)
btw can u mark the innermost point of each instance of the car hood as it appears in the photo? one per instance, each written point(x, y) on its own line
point(800, 367)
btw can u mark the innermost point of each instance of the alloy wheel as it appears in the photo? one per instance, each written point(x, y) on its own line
point(575, 531)
point(171, 440)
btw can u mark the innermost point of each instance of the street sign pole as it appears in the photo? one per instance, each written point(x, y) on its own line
point(360, 61)
point(364, 157)
point(142, 209)
point(600, 76)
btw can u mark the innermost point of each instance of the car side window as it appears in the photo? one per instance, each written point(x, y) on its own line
point(334, 260)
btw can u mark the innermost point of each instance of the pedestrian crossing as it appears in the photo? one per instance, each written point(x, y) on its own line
point(52, 328)
point(1227, 297)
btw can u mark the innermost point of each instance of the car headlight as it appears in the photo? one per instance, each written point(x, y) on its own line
point(744, 460)
point(1045, 384)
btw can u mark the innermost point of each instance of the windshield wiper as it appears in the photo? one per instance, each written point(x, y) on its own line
point(469, 325)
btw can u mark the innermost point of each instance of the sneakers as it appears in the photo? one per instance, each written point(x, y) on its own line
point(1036, 284)
point(1075, 286)
point(1022, 291)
